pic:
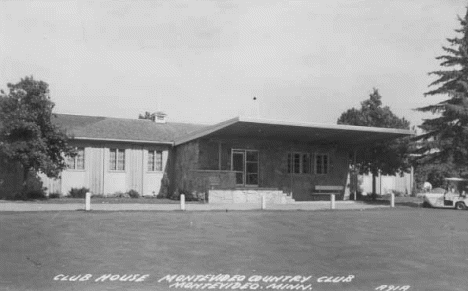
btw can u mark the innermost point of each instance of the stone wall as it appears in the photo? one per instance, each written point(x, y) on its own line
point(213, 179)
point(251, 196)
point(273, 163)
point(185, 162)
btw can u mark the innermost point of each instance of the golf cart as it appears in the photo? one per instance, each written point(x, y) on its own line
point(453, 197)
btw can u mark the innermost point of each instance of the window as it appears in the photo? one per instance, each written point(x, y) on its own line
point(245, 164)
point(117, 160)
point(299, 163)
point(154, 161)
point(77, 162)
point(321, 163)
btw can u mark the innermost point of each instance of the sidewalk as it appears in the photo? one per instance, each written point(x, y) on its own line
point(317, 205)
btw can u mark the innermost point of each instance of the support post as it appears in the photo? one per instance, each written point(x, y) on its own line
point(332, 201)
point(88, 201)
point(392, 200)
point(263, 202)
point(291, 173)
point(219, 155)
point(182, 202)
point(355, 178)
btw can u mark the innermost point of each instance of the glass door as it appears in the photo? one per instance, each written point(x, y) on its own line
point(238, 166)
point(245, 164)
point(251, 168)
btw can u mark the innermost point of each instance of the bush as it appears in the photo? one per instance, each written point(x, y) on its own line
point(35, 194)
point(78, 192)
point(399, 193)
point(118, 194)
point(17, 196)
point(98, 196)
point(55, 195)
point(188, 196)
point(133, 194)
point(27, 195)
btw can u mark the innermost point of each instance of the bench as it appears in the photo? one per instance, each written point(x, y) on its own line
point(323, 191)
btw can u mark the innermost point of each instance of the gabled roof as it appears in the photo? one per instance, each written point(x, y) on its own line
point(242, 127)
point(120, 129)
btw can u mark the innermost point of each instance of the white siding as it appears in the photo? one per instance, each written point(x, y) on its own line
point(385, 184)
point(98, 177)
point(94, 166)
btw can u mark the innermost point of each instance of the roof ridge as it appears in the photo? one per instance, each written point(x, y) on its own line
point(133, 119)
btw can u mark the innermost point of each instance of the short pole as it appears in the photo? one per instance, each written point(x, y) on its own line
point(332, 201)
point(392, 200)
point(88, 201)
point(182, 202)
point(263, 202)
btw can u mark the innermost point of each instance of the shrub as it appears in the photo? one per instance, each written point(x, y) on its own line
point(55, 195)
point(17, 196)
point(191, 197)
point(78, 192)
point(35, 194)
point(27, 195)
point(98, 196)
point(399, 193)
point(133, 194)
point(118, 194)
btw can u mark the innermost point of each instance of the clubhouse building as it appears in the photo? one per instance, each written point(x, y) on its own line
point(235, 161)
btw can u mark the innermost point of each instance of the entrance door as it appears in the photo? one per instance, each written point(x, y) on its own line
point(245, 164)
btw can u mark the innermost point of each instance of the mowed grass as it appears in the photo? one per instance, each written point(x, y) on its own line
point(424, 248)
point(107, 200)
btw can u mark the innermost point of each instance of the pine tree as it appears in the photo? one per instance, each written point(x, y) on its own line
point(445, 137)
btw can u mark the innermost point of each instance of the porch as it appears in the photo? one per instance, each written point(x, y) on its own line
point(241, 160)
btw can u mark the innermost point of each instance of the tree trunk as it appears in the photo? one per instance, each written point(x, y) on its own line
point(25, 178)
point(374, 184)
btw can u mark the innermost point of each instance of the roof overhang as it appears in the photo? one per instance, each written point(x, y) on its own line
point(244, 127)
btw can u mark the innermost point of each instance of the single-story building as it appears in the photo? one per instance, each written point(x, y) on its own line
point(117, 155)
point(229, 161)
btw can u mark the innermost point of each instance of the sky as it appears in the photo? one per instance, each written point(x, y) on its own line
point(204, 61)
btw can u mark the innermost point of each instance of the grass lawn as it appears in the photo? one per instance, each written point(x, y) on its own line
point(426, 249)
point(110, 200)
point(384, 200)
point(399, 201)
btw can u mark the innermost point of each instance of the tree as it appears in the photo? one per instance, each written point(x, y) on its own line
point(445, 137)
point(387, 158)
point(147, 115)
point(27, 133)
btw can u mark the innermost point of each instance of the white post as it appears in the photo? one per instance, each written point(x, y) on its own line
point(355, 175)
point(263, 202)
point(88, 201)
point(392, 200)
point(332, 201)
point(182, 202)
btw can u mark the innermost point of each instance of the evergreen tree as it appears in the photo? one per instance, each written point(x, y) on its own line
point(445, 137)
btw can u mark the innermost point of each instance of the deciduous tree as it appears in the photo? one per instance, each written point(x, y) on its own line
point(147, 115)
point(387, 158)
point(27, 133)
